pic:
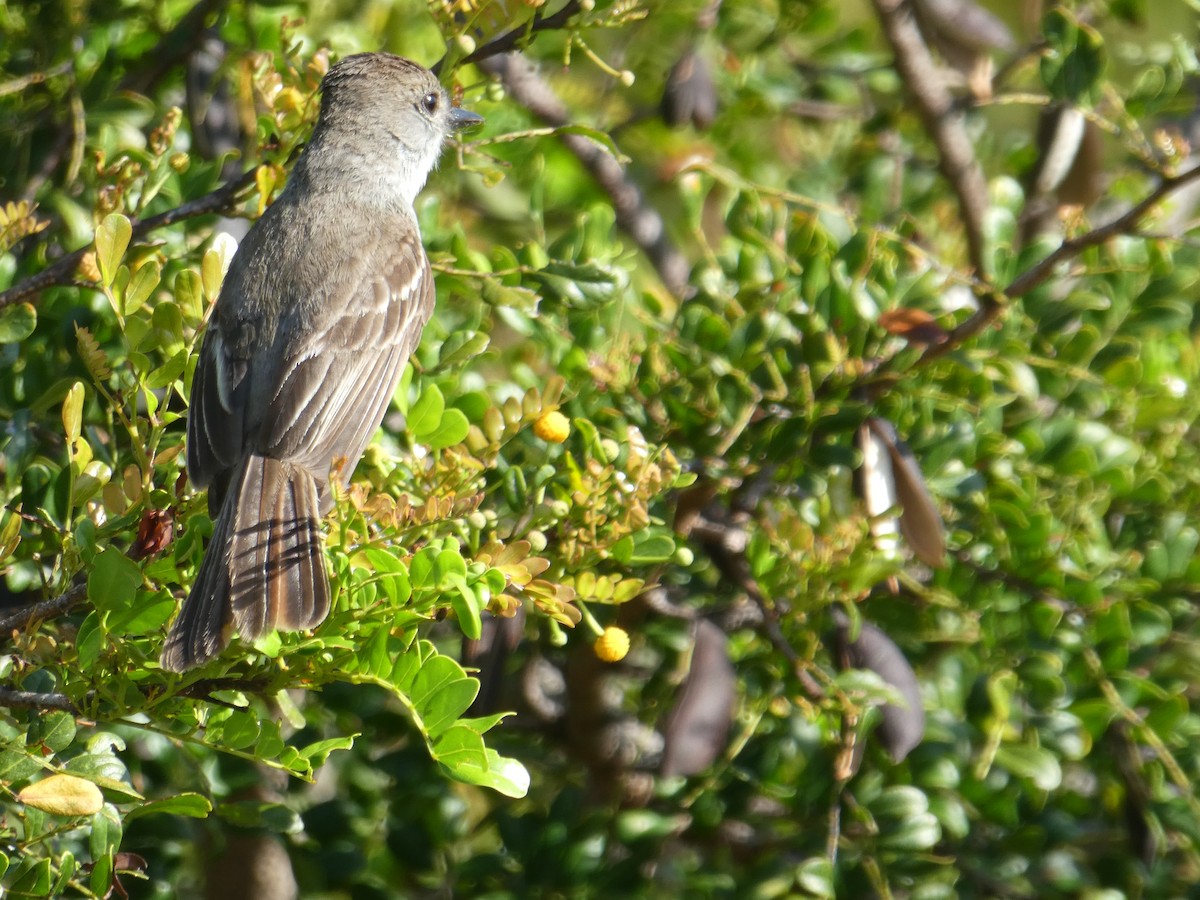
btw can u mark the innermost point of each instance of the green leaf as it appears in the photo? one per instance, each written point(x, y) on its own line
point(467, 608)
point(17, 322)
point(239, 730)
point(391, 574)
point(56, 730)
point(913, 835)
point(425, 417)
point(32, 878)
point(500, 773)
point(815, 875)
point(441, 692)
point(192, 805)
point(1037, 764)
point(449, 567)
point(451, 430)
point(72, 412)
point(316, 753)
point(461, 347)
point(1074, 61)
point(113, 582)
point(112, 240)
point(261, 814)
point(106, 833)
point(189, 295)
point(141, 286)
point(90, 640)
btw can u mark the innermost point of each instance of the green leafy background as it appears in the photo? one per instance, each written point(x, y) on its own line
point(1056, 650)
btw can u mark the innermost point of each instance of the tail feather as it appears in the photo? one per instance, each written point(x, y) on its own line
point(199, 631)
point(264, 568)
point(278, 570)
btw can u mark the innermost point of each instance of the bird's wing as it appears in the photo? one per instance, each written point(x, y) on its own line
point(335, 381)
point(313, 389)
point(214, 426)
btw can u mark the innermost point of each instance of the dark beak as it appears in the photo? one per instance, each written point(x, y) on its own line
point(463, 118)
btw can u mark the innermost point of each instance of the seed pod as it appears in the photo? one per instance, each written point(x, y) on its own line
point(902, 727)
point(920, 522)
point(690, 95)
point(698, 724)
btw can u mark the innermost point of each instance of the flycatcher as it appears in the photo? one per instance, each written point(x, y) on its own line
point(323, 304)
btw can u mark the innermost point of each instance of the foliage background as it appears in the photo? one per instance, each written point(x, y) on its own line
point(715, 377)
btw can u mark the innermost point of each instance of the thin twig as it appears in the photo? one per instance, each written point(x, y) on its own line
point(517, 37)
point(44, 609)
point(1040, 271)
point(61, 271)
point(944, 124)
point(634, 215)
point(1124, 224)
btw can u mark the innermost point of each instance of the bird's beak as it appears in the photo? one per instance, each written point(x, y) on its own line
point(463, 118)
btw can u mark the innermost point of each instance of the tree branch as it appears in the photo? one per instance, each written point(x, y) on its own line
point(45, 609)
point(1124, 224)
point(513, 40)
point(634, 215)
point(1040, 271)
point(61, 271)
point(32, 700)
point(942, 120)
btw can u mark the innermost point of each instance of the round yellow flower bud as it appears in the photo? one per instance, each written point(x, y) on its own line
point(612, 645)
point(552, 426)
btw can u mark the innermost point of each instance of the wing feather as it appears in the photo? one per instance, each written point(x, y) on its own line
point(336, 383)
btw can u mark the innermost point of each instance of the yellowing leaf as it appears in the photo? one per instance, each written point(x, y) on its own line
point(216, 264)
point(72, 412)
point(112, 240)
point(63, 795)
point(188, 294)
point(141, 286)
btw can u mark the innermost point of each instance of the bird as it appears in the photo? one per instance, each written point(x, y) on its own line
point(324, 302)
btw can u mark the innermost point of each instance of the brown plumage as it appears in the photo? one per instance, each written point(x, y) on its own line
point(323, 304)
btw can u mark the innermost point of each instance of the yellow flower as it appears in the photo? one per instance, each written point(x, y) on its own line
point(612, 645)
point(552, 426)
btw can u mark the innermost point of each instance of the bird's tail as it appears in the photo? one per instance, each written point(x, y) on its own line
point(264, 567)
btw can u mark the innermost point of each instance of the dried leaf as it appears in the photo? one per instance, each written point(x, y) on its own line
point(155, 531)
point(914, 325)
point(94, 359)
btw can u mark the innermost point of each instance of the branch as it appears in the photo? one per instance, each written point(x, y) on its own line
point(62, 270)
point(31, 700)
point(45, 609)
point(942, 121)
point(173, 48)
point(634, 215)
point(1124, 224)
point(515, 39)
point(1041, 271)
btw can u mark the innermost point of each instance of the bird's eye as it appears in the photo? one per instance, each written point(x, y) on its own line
point(430, 102)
